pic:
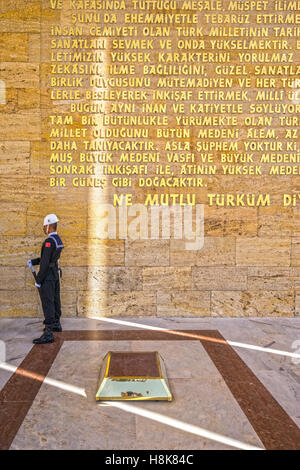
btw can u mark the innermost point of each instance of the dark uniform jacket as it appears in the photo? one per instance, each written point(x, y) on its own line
point(50, 253)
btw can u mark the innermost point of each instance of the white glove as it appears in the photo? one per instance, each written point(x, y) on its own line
point(29, 263)
point(37, 285)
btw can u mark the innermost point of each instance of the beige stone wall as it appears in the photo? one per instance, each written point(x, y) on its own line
point(250, 262)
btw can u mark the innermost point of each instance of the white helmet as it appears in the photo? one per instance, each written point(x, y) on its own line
point(50, 219)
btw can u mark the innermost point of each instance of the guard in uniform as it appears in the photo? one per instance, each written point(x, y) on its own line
point(48, 279)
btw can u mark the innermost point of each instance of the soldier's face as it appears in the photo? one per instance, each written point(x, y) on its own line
point(45, 229)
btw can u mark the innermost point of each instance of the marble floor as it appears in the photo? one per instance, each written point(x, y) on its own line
point(231, 394)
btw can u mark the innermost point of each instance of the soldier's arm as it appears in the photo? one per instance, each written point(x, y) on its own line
point(35, 261)
point(45, 260)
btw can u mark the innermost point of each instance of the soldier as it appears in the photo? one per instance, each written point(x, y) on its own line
point(47, 280)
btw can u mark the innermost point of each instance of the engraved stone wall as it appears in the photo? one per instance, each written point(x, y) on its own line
point(117, 107)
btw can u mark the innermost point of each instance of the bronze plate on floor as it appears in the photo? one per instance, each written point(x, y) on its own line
point(133, 376)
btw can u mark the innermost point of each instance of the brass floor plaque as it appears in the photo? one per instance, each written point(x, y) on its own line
point(133, 376)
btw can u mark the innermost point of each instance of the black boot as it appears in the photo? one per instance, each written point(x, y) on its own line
point(57, 327)
point(47, 336)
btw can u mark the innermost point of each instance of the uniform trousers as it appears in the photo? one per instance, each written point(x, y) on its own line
point(50, 296)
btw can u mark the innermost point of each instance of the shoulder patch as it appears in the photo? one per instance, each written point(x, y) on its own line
point(47, 244)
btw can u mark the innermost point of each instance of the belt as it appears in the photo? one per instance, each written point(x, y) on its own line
point(53, 265)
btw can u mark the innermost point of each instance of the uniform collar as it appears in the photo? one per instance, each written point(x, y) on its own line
point(52, 233)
